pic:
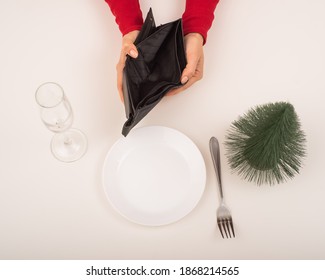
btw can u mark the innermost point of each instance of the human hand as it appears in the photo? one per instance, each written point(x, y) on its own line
point(193, 71)
point(128, 48)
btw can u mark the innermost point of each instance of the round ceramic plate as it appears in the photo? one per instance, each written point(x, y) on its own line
point(154, 176)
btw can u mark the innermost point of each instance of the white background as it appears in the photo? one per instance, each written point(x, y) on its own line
point(258, 51)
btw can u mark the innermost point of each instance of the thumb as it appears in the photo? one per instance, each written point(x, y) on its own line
point(189, 71)
point(131, 50)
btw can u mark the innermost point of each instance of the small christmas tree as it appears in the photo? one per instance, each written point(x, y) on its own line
point(266, 145)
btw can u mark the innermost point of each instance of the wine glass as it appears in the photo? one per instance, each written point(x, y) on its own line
point(68, 144)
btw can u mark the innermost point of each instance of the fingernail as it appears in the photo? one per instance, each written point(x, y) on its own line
point(184, 80)
point(133, 53)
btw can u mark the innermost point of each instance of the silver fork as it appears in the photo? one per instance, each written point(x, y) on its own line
point(224, 218)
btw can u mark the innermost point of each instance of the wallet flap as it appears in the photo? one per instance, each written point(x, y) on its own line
point(148, 27)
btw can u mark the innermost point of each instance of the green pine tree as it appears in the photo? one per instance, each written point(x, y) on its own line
point(266, 145)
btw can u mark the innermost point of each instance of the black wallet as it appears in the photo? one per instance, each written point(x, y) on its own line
point(156, 70)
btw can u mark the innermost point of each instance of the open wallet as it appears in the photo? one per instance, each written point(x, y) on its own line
point(157, 69)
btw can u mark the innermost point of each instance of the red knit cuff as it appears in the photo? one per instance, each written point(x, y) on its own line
point(131, 28)
point(127, 14)
point(198, 16)
point(201, 31)
point(195, 24)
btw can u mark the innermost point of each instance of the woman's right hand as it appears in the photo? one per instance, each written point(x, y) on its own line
point(128, 48)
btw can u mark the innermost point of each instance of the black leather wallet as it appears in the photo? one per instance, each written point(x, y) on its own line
point(156, 70)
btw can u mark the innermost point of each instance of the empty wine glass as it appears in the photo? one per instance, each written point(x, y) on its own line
point(68, 144)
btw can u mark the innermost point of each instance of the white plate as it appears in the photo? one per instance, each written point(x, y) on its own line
point(154, 176)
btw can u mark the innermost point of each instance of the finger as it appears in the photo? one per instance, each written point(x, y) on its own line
point(190, 69)
point(198, 74)
point(119, 72)
point(182, 88)
point(130, 49)
point(121, 96)
point(128, 46)
point(174, 91)
point(120, 88)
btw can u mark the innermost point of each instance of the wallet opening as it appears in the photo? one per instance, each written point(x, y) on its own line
point(155, 71)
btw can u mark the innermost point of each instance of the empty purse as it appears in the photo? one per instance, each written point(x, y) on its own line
point(157, 69)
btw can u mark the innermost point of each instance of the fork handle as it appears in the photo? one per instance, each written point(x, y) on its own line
point(215, 154)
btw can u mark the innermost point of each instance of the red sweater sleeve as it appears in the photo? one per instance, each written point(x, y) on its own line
point(198, 16)
point(128, 15)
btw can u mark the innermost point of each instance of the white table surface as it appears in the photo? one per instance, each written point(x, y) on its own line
point(257, 52)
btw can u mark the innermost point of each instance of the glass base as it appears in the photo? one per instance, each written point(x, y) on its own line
point(69, 146)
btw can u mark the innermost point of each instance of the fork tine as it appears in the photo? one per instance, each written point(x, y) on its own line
point(232, 226)
point(225, 225)
point(227, 222)
point(220, 228)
